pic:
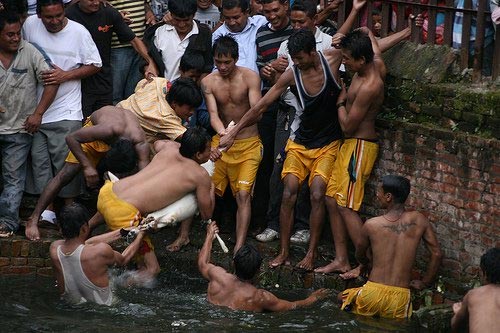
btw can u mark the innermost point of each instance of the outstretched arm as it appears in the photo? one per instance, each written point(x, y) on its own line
point(270, 302)
point(207, 269)
point(357, 5)
point(205, 195)
point(121, 259)
point(460, 319)
point(151, 69)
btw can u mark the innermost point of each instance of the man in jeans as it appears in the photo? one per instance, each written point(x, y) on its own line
point(21, 67)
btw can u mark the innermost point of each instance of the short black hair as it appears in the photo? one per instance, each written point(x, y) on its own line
point(193, 141)
point(301, 41)
point(19, 7)
point(71, 219)
point(182, 8)
point(121, 158)
point(230, 4)
point(184, 91)
point(192, 60)
point(269, 1)
point(44, 3)
point(226, 45)
point(307, 6)
point(490, 265)
point(8, 17)
point(359, 44)
point(247, 261)
point(398, 186)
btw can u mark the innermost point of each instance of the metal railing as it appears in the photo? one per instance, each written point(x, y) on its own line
point(394, 15)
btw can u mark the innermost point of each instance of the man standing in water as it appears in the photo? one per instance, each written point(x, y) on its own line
point(393, 238)
point(229, 93)
point(480, 307)
point(236, 291)
point(81, 267)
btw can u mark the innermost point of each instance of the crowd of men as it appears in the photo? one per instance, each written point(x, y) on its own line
point(255, 86)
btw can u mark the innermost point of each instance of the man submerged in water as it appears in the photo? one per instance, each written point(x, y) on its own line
point(81, 267)
point(236, 290)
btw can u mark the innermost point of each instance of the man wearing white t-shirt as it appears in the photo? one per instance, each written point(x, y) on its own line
point(74, 56)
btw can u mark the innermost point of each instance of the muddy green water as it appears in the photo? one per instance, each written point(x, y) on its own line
point(177, 304)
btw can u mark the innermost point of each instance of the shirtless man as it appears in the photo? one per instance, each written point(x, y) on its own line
point(394, 238)
point(229, 93)
point(236, 291)
point(81, 268)
point(173, 172)
point(480, 307)
point(108, 131)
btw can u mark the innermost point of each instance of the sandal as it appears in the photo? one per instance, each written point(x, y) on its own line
point(5, 231)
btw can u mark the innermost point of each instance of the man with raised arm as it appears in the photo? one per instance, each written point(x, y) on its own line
point(230, 92)
point(109, 130)
point(393, 238)
point(236, 291)
point(81, 266)
point(173, 172)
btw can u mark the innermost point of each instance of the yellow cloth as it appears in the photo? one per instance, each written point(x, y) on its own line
point(351, 171)
point(301, 161)
point(238, 165)
point(120, 214)
point(157, 118)
point(94, 150)
point(375, 299)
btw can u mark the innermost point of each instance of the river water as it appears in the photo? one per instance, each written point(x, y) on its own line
point(177, 304)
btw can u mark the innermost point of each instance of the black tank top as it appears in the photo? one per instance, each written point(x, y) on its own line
point(318, 122)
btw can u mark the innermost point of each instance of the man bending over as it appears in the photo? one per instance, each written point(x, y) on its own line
point(236, 291)
point(173, 172)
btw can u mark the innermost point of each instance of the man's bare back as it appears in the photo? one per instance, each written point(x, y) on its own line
point(229, 98)
point(394, 243)
point(120, 123)
point(168, 177)
point(483, 307)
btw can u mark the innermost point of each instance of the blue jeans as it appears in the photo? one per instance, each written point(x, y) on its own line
point(126, 72)
point(14, 149)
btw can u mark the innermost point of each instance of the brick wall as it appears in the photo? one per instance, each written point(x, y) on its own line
point(455, 180)
point(18, 256)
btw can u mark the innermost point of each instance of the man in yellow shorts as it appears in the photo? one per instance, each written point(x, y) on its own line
point(173, 172)
point(393, 238)
point(229, 93)
point(110, 131)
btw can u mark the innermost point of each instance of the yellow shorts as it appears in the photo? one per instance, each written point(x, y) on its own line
point(351, 171)
point(120, 214)
point(238, 166)
point(94, 150)
point(301, 161)
point(375, 299)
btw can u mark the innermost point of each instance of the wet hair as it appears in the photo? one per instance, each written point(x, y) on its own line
point(301, 40)
point(8, 17)
point(71, 219)
point(490, 265)
point(307, 6)
point(359, 44)
point(230, 4)
point(247, 262)
point(225, 45)
point(184, 91)
point(192, 60)
point(44, 3)
point(398, 186)
point(193, 141)
point(121, 158)
point(183, 8)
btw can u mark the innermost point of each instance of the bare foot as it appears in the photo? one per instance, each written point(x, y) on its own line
point(279, 260)
point(334, 267)
point(32, 232)
point(307, 263)
point(352, 274)
point(178, 244)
